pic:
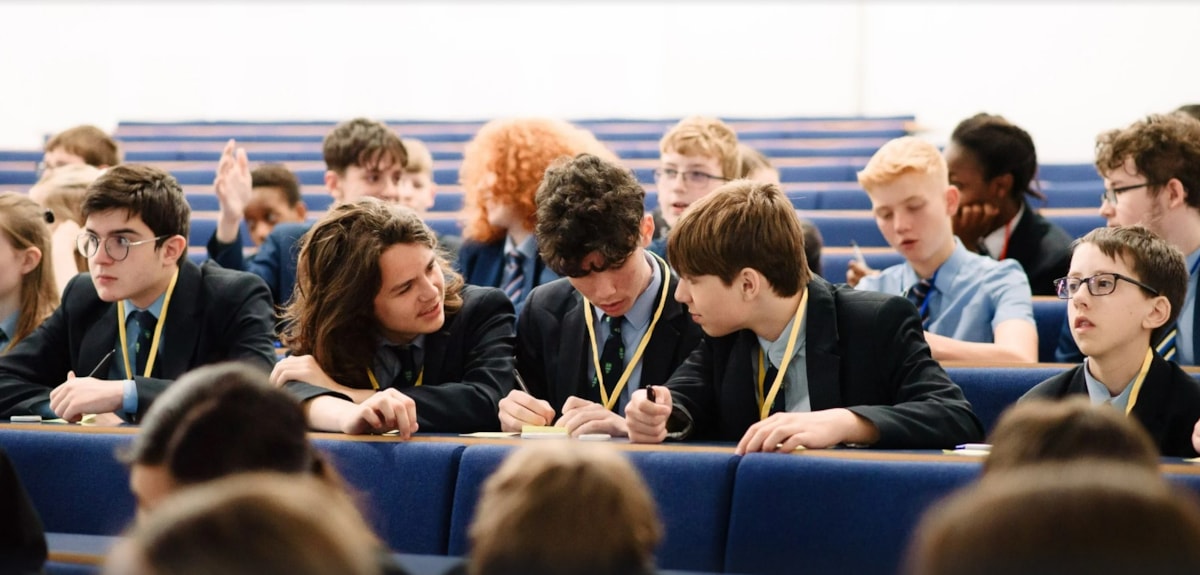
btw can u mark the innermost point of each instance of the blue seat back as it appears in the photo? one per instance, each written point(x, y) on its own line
point(991, 390)
point(1049, 314)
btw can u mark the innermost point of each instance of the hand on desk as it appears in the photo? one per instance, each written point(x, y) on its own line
point(306, 369)
point(581, 416)
point(647, 420)
point(519, 409)
point(80, 395)
point(784, 432)
point(384, 411)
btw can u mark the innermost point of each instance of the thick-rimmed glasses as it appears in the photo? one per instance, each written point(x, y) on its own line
point(693, 178)
point(1110, 196)
point(117, 247)
point(1099, 284)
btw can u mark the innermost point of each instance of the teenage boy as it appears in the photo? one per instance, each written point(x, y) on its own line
point(611, 325)
point(1125, 287)
point(973, 308)
point(142, 317)
point(1151, 172)
point(788, 359)
point(362, 158)
point(696, 156)
point(274, 199)
point(81, 145)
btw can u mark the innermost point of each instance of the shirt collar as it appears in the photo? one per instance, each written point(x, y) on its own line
point(994, 242)
point(1098, 393)
point(417, 343)
point(1193, 259)
point(944, 275)
point(155, 308)
point(776, 349)
point(638, 316)
point(9, 325)
point(527, 248)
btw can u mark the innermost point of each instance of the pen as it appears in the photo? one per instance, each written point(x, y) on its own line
point(521, 382)
point(650, 393)
point(102, 360)
point(858, 255)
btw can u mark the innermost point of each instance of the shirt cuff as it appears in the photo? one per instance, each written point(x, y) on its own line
point(43, 409)
point(129, 397)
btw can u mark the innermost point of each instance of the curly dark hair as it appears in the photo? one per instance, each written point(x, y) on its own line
point(1000, 147)
point(1164, 147)
point(586, 205)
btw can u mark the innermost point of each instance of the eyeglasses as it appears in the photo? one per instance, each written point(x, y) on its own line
point(1099, 284)
point(693, 178)
point(117, 247)
point(1110, 196)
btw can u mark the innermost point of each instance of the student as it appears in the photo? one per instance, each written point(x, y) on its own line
point(973, 308)
point(993, 163)
point(1134, 282)
point(1151, 172)
point(564, 510)
point(1192, 110)
point(696, 156)
point(22, 537)
point(28, 294)
point(852, 365)
point(613, 313)
point(501, 171)
point(418, 188)
point(362, 158)
point(81, 145)
point(143, 317)
point(275, 199)
point(384, 335)
point(757, 166)
point(60, 191)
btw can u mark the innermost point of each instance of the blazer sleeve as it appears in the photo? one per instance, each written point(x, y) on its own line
point(694, 409)
point(39, 362)
point(229, 256)
point(487, 363)
point(531, 350)
point(22, 539)
point(928, 410)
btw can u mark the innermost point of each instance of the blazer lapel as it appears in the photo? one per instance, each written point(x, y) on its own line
point(435, 360)
point(660, 351)
point(738, 395)
point(1151, 407)
point(823, 362)
point(574, 353)
point(97, 341)
point(184, 319)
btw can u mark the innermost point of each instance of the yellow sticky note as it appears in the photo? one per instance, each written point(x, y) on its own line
point(543, 432)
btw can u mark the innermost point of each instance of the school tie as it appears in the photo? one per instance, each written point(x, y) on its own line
point(917, 294)
point(407, 375)
point(1167, 347)
point(146, 323)
point(3, 341)
point(612, 359)
point(768, 381)
point(514, 271)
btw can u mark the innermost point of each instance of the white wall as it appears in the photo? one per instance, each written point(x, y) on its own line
point(1063, 71)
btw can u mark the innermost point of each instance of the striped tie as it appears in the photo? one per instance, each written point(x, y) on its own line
point(514, 272)
point(1166, 347)
point(917, 294)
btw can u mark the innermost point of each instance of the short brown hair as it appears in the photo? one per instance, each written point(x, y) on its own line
point(22, 223)
point(1155, 263)
point(88, 142)
point(277, 176)
point(752, 161)
point(564, 510)
point(704, 136)
point(420, 159)
point(338, 275)
point(142, 191)
point(1038, 431)
point(742, 224)
point(587, 205)
point(362, 142)
point(1080, 518)
point(1164, 147)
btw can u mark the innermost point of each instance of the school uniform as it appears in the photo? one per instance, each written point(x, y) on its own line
point(492, 265)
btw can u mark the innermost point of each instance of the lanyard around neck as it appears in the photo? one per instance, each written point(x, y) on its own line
point(610, 400)
point(1141, 378)
point(765, 402)
point(375, 382)
point(162, 320)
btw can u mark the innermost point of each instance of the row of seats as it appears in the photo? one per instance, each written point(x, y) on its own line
point(839, 511)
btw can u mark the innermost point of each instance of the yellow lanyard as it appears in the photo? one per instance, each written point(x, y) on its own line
point(764, 406)
point(162, 320)
point(1141, 378)
point(610, 401)
point(375, 382)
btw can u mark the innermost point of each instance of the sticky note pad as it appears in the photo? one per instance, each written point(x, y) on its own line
point(543, 432)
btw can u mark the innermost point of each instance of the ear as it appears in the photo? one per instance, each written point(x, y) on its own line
point(333, 183)
point(646, 230)
point(30, 259)
point(749, 283)
point(174, 248)
point(1176, 194)
point(952, 198)
point(1000, 187)
point(1158, 314)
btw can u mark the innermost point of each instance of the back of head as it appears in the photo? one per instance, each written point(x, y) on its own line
point(280, 177)
point(901, 156)
point(1040, 431)
point(420, 159)
point(1156, 263)
point(362, 142)
point(23, 225)
point(586, 204)
point(742, 224)
point(705, 136)
point(255, 524)
point(754, 163)
point(1192, 110)
point(1163, 147)
point(88, 142)
point(1079, 518)
point(61, 190)
point(1000, 148)
point(141, 191)
point(564, 510)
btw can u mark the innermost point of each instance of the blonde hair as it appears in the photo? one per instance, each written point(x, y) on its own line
point(705, 136)
point(61, 190)
point(564, 509)
point(420, 159)
point(907, 155)
point(23, 224)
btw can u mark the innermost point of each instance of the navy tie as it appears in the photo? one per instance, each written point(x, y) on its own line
point(514, 272)
point(768, 381)
point(917, 294)
point(612, 359)
point(146, 323)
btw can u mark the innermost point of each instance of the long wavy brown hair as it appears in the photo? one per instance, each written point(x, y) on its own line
point(24, 226)
point(331, 315)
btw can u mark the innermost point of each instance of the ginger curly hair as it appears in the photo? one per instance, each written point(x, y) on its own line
point(517, 151)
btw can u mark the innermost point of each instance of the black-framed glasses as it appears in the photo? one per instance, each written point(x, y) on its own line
point(1110, 196)
point(690, 178)
point(117, 247)
point(1099, 284)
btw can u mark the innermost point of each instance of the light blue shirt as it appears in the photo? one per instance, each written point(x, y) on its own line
point(1186, 323)
point(971, 295)
point(795, 380)
point(8, 326)
point(1100, 394)
point(116, 370)
point(386, 366)
point(637, 322)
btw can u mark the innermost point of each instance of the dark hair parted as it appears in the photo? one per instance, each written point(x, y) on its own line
point(742, 224)
point(141, 191)
point(338, 275)
point(362, 142)
point(277, 176)
point(586, 205)
point(1000, 147)
point(224, 419)
point(1155, 263)
point(1164, 147)
point(88, 142)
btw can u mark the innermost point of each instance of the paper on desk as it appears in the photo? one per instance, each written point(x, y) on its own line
point(491, 434)
point(966, 452)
